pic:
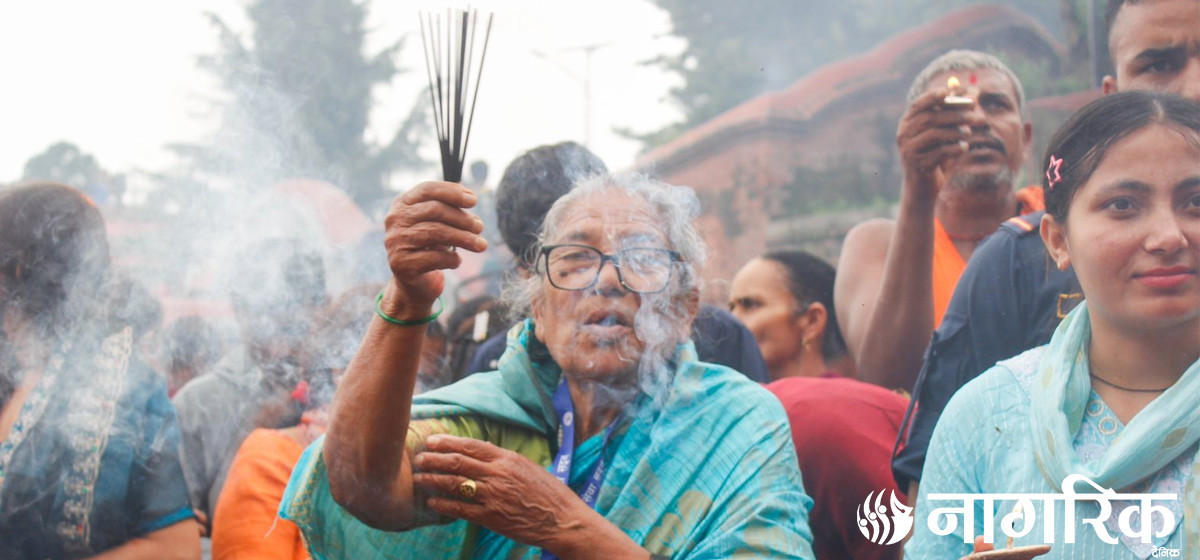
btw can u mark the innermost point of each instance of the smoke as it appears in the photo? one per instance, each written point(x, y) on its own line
point(228, 239)
point(67, 347)
point(609, 206)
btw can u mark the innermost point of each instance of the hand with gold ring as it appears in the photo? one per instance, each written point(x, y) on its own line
point(467, 489)
point(507, 493)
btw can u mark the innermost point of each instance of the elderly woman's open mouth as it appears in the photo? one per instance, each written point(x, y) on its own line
point(608, 324)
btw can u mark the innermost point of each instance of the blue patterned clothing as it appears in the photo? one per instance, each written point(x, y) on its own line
point(983, 444)
point(93, 458)
point(708, 473)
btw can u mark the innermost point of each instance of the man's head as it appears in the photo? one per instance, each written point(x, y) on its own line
point(276, 287)
point(1000, 136)
point(1154, 45)
point(189, 346)
point(530, 186)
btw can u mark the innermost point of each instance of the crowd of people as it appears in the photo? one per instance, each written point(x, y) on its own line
point(993, 339)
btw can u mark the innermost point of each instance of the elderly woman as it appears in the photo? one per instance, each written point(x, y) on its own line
point(651, 453)
point(89, 444)
point(1113, 396)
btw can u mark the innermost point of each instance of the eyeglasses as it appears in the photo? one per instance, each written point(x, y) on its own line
point(642, 270)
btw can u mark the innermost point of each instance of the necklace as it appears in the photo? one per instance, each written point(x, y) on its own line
point(1131, 390)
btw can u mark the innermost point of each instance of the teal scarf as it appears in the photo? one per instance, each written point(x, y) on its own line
point(1155, 437)
point(709, 473)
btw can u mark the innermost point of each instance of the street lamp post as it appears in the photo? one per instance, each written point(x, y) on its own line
point(585, 81)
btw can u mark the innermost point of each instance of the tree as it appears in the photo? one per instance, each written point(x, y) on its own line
point(64, 162)
point(299, 97)
point(736, 50)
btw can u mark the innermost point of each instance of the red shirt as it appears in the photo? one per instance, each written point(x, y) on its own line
point(844, 431)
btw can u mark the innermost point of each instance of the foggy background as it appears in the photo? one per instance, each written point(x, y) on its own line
point(199, 125)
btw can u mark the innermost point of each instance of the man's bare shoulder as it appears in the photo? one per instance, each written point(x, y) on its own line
point(869, 237)
point(873, 227)
point(859, 273)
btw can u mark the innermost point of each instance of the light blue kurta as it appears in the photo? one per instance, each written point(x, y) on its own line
point(710, 472)
point(983, 444)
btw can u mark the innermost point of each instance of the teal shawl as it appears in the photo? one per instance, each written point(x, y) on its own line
point(708, 473)
point(1157, 435)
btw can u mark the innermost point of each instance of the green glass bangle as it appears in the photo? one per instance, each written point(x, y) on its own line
point(418, 322)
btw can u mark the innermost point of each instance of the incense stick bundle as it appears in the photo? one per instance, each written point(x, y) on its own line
point(448, 64)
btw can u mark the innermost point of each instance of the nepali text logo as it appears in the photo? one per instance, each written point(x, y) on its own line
point(877, 527)
point(1135, 521)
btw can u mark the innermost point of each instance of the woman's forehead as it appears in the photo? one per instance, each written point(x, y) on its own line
point(610, 215)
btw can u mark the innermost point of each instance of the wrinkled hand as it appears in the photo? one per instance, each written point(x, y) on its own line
point(422, 229)
point(515, 497)
point(931, 136)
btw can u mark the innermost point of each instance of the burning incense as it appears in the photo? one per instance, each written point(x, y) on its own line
point(448, 65)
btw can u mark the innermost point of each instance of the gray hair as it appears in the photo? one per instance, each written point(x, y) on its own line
point(960, 60)
point(678, 208)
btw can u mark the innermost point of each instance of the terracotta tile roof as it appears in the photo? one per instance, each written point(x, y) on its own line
point(891, 61)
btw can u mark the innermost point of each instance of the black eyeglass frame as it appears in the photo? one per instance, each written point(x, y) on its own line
point(615, 258)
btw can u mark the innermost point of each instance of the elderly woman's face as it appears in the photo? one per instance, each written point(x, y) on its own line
point(590, 332)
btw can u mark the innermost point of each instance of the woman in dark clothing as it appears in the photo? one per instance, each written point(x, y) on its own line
point(89, 459)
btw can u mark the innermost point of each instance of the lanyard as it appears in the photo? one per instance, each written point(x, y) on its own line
point(565, 410)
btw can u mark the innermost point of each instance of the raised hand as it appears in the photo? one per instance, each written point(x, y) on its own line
point(931, 136)
point(423, 228)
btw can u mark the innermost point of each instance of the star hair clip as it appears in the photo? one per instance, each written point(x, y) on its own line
point(1054, 171)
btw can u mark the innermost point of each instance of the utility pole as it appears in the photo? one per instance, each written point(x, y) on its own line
point(585, 81)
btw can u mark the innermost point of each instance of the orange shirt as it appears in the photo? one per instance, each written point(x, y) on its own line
point(245, 523)
point(948, 266)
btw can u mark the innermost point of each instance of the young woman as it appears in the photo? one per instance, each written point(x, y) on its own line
point(1113, 397)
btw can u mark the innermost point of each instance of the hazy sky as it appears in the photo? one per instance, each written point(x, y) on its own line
point(119, 78)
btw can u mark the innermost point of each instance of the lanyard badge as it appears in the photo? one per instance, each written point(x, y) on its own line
point(564, 408)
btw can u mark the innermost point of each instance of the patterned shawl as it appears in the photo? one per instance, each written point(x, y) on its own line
point(1157, 435)
point(711, 473)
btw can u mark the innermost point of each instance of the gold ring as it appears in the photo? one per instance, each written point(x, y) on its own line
point(468, 488)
